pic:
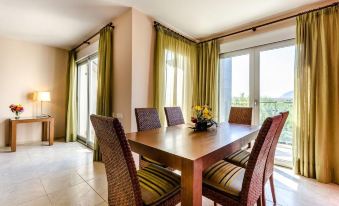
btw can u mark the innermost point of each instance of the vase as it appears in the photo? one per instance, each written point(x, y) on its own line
point(201, 126)
point(17, 115)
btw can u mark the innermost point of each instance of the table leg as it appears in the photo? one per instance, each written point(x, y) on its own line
point(44, 132)
point(12, 129)
point(51, 132)
point(191, 183)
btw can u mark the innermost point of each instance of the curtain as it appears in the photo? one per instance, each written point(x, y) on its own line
point(175, 61)
point(71, 119)
point(105, 76)
point(206, 76)
point(316, 142)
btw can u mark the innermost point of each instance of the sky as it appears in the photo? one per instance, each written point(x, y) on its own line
point(276, 72)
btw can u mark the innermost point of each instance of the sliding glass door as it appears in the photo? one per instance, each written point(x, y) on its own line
point(262, 78)
point(234, 82)
point(86, 97)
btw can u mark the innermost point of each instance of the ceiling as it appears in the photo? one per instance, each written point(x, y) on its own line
point(64, 23)
point(59, 23)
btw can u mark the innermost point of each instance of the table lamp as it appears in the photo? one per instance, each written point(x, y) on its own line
point(43, 97)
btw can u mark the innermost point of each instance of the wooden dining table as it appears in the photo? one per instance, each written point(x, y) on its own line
point(191, 152)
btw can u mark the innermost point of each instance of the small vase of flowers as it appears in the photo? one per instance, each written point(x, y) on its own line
point(202, 118)
point(17, 109)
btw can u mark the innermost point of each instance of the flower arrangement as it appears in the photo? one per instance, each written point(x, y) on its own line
point(202, 117)
point(17, 109)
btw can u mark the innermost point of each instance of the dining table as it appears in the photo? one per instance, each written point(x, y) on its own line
point(189, 151)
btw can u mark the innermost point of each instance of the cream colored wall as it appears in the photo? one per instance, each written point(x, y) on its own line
point(122, 75)
point(134, 38)
point(25, 68)
point(143, 39)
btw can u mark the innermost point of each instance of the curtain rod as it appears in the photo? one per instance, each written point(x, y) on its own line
point(176, 33)
point(87, 40)
point(254, 28)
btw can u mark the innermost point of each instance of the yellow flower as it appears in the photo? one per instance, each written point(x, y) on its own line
point(198, 108)
point(207, 116)
point(206, 111)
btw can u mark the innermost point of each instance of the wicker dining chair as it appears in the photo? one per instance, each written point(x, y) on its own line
point(240, 158)
point(174, 116)
point(228, 184)
point(240, 115)
point(147, 119)
point(152, 185)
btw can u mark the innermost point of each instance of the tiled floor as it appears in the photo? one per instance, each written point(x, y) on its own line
point(65, 174)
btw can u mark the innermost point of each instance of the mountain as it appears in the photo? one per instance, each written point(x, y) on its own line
point(287, 95)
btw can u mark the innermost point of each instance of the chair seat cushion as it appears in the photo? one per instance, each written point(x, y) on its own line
point(157, 184)
point(152, 161)
point(239, 158)
point(225, 177)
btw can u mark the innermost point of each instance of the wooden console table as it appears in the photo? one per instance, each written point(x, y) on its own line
point(47, 128)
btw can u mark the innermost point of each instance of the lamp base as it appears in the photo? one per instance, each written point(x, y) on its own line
point(43, 115)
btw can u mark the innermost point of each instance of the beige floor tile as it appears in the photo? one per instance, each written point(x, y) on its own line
point(92, 171)
point(100, 186)
point(22, 192)
point(42, 201)
point(103, 204)
point(60, 180)
point(81, 194)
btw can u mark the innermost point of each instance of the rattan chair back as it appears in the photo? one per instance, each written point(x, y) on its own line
point(174, 116)
point(147, 118)
point(254, 174)
point(123, 184)
point(240, 115)
point(270, 158)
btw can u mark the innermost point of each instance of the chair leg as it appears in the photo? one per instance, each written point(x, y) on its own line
point(259, 201)
point(272, 189)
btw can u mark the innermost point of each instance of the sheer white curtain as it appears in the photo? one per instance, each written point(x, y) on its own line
point(178, 82)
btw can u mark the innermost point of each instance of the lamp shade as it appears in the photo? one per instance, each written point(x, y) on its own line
point(44, 96)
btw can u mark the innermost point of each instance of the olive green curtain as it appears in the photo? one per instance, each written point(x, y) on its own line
point(71, 119)
point(105, 76)
point(206, 76)
point(316, 142)
point(175, 57)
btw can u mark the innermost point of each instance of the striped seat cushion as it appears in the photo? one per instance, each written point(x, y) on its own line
point(157, 184)
point(152, 161)
point(225, 177)
point(239, 158)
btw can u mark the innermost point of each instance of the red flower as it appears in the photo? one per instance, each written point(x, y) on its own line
point(194, 120)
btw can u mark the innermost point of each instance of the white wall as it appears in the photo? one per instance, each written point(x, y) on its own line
point(259, 39)
point(25, 68)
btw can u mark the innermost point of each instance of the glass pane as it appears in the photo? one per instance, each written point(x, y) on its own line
point(277, 86)
point(93, 94)
point(234, 83)
point(82, 100)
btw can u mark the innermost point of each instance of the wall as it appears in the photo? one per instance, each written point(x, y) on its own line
point(134, 38)
point(122, 75)
point(25, 68)
point(143, 39)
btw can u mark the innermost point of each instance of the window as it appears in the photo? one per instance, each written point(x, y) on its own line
point(175, 75)
point(234, 83)
point(262, 78)
point(86, 97)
